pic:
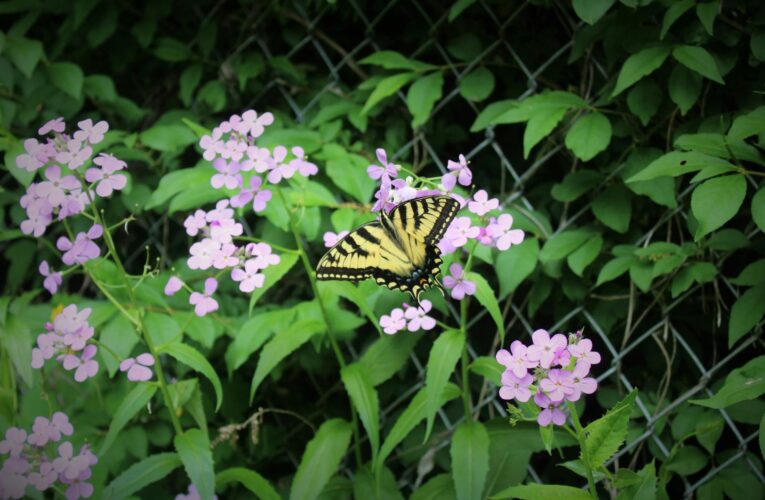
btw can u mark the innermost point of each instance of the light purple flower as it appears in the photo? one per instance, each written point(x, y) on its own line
point(460, 231)
point(557, 385)
point(481, 204)
point(278, 169)
point(502, 233)
point(259, 197)
point(385, 171)
point(174, 284)
point(262, 253)
point(108, 181)
point(204, 303)
point(13, 443)
point(55, 188)
point(12, 484)
point(393, 323)
point(544, 347)
point(82, 249)
point(55, 125)
point(457, 283)
point(202, 253)
point(515, 387)
point(580, 382)
point(79, 489)
point(561, 358)
point(253, 124)
point(417, 318)
point(86, 367)
point(34, 158)
point(403, 191)
point(301, 165)
point(52, 278)
point(91, 133)
point(220, 212)
point(331, 239)
point(224, 230)
point(225, 256)
point(44, 478)
point(458, 171)
point(44, 430)
point(384, 200)
point(75, 155)
point(550, 412)
point(516, 360)
point(249, 278)
point(583, 352)
point(138, 368)
point(228, 174)
point(210, 143)
point(195, 222)
point(39, 216)
point(46, 349)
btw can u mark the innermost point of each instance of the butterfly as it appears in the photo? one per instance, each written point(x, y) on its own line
point(399, 250)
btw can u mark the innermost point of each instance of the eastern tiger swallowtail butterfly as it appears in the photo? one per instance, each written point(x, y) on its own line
point(398, 250)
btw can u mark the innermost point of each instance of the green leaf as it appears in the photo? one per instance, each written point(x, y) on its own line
point(672, 14)
point(142, 474)
point(273, 275)
point(562, 244)
point(354, 294)
point(254, 333)
point(17, 342)
point(679, 163)
point(752, 274)
point(718, 145)
point(522, 259)
point(747, 311)
point(758, 208)
point(748, 124)
point(257, 484)
point(380, 486)
point(742, 384)
point(706, 13)
point(488, 368)
point(469, 452)
point(699, 60)
point(411, 417)
point(590, 135)
point(67, 77)
point(684, 87)
point(544, 492)
point(197, 362)
point(364, 398)
point(172, 50)
point(709, 427)
point(716, 201)
point(540, 125)
point(687, 461)
point(386, 356)
point(477, 85)
point(579, 259)
point(605, 435)
point(386, 87)
point(193, 446)
point(442, 360)
point(188, 82)
point(321, 459)
point(762, 436)
point(350, 175)
point(458, 7)
point(485, 295)
point(590, 11)
point(136, 400)
point(282, 345)
point(440, 487)
point(575, 184)
point(644, 100)
point(494, 112)
point(390, 59)
point(120, 337)
point(639, 65)
point(613, 207)
point(24, 53)
point(422, 95)
point(171, 139)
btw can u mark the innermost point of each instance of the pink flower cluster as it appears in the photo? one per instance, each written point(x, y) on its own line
point(409, 317)
point(67, 339)
point(64, 191)
point(34, 460)
point(553, 369)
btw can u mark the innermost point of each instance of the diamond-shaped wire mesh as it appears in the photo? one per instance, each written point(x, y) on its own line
point(342, 70)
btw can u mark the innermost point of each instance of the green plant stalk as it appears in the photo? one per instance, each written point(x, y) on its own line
point(465, 361)
point(335, 347)
point(139, 319)
point(582, 446)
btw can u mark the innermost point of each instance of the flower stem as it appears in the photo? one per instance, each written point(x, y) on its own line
point(582, 446)
point(465, 361)
point(315, 288)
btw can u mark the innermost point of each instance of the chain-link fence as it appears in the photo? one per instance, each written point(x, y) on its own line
point(669, 337)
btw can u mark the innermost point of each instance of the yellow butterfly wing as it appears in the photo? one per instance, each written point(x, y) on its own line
point(420, 223)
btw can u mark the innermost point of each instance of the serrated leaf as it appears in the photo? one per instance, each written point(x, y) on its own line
point(321, 459)
point(469, 452)
point(386, 356)
point(193, 447)
point(716, 201)
point(604, 436)
point(135, 401)
point(440, 487)
point(639, 65)
point(142, 474)
point(543, 492)
point(746, 312)
point(442, 360)
point(257, 484)
point(198, 362)
point(699, 60)
point(364, 398)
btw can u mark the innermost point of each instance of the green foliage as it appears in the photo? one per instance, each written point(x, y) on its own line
point(321, 459)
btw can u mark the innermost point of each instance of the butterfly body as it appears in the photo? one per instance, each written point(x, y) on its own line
point(398, 251)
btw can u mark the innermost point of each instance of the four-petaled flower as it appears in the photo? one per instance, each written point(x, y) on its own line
point(417, 317)
point(458, 283)
point(385, 171)
point(583, 353)
point(259, 197)
point(502, 233)
point(514, 387)
point(138, 368)
point(460, 231)
point(228, 174)
point(544, 347)
point(90, 132)
point(204, 303)
point(82, 249)
point(393, 323)
point(52, 278)
point(84, 364)
point(481, 204)
point(458, 171)
point(249, 278)
point(516, 360)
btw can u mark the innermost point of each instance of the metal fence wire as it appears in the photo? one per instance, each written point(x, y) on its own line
point(669, 336)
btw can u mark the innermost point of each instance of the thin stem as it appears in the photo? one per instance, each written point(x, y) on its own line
point(585, 454)
point(314, 286)
point(465, 361)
